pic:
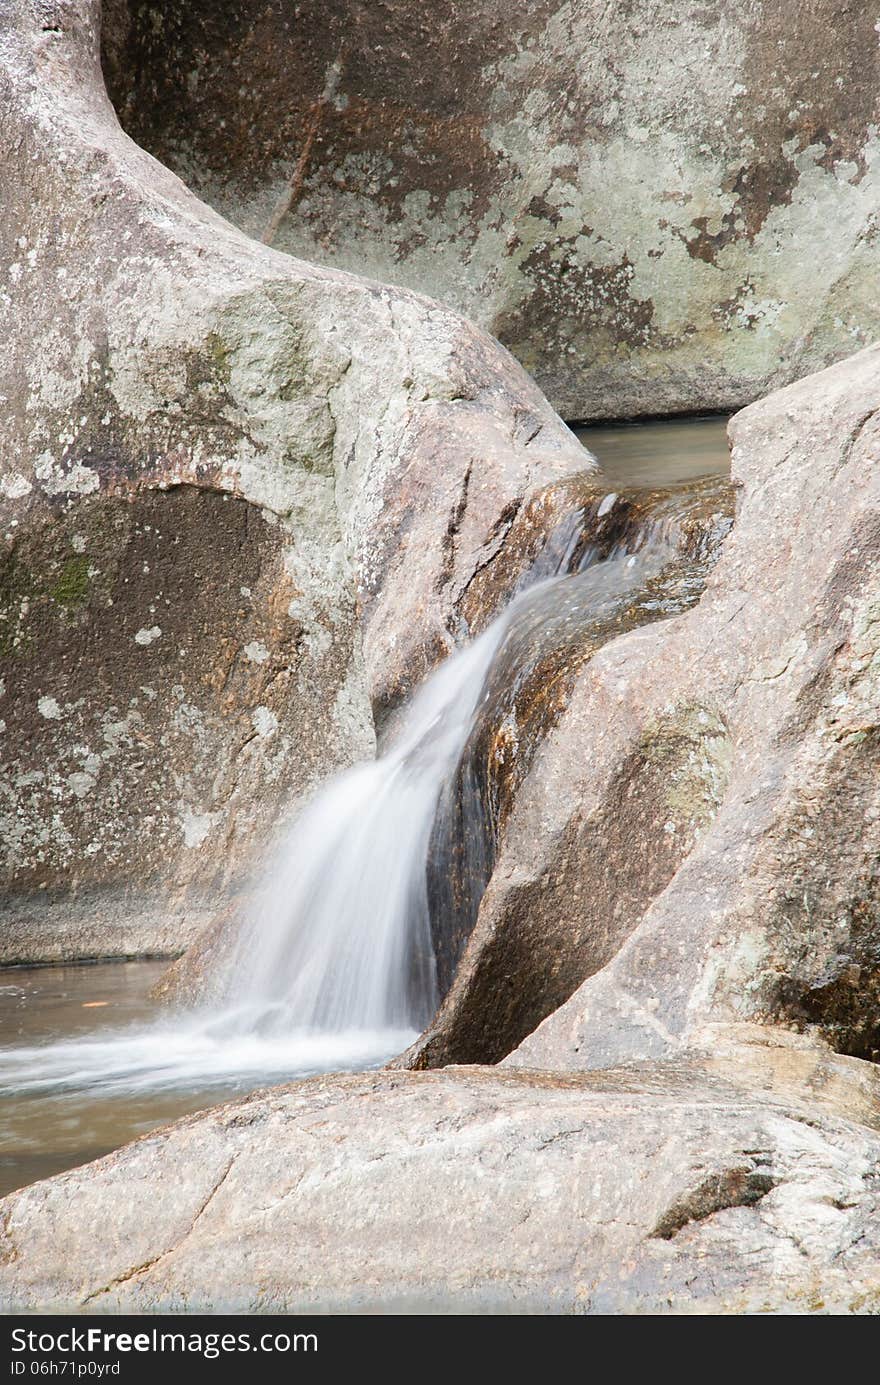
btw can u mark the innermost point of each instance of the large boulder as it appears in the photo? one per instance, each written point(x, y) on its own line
point(648, 555)
point(658, 206)
point(240, 501)
point(698, 837)
point(745, 1182)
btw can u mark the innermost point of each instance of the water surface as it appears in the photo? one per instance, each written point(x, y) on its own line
point(88, 1061)
point(668, 453)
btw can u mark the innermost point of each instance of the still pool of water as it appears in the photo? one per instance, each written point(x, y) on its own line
point(668, 453)
point(47, 1005)
point(64, 1101)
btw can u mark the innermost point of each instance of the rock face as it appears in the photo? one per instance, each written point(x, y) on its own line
point(702, 824)
point(221, 471)
point(657, 207)
point(657, 1188)
point(647, 556)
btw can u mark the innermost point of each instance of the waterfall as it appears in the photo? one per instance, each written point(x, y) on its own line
point(339, 938)
point(333, 965)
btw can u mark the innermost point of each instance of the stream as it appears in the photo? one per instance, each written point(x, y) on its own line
point(335, 967)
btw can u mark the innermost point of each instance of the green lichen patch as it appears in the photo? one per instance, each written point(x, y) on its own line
point(71, 587)
point(218, 352)
point(692, 748)
point(207, 369)
point(17, 590)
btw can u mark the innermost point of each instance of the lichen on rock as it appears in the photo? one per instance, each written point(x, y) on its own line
point(198, 439)
point(661, 207)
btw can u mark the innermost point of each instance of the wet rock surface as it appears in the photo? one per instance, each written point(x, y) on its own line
point(769, 689)
point(633, 559)
point(742, 1182)
point(658, 207)
point(219, 465)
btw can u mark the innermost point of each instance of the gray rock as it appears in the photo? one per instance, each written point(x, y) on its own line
point(746, 730)
point(660, 206)
point(525, 963)
point(746, 1182)
point(240, 498)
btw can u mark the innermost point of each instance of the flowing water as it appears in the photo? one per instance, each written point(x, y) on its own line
point(334, 966)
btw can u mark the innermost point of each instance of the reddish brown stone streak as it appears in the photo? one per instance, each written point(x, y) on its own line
point(291, 195)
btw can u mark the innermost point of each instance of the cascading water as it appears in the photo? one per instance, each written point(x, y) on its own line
point(333, 965)
point(340, 939)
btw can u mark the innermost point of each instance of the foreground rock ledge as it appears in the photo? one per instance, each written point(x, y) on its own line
point(745, 1182)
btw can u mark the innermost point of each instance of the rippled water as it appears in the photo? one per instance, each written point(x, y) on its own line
point(333, 970)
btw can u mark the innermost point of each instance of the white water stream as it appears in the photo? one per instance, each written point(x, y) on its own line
point(333, 967)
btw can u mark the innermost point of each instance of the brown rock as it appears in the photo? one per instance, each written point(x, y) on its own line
point(661, 546)
point(745, 729)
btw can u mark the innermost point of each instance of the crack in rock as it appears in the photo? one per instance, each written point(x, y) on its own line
point(145, 1265)
point(742, 1185)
